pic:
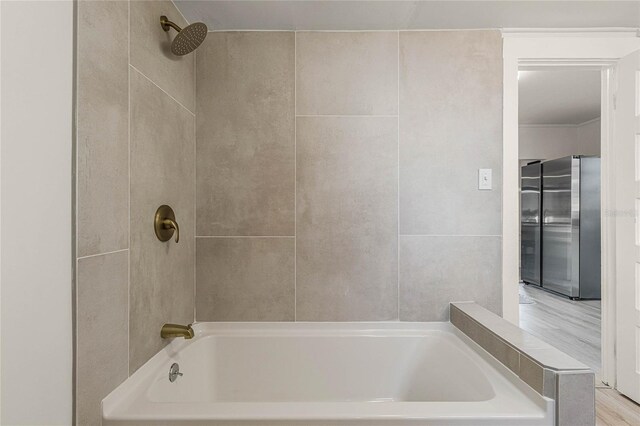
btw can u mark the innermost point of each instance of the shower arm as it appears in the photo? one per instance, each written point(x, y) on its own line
point(166, 24)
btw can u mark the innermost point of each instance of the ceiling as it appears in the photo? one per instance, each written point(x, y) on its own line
point(403, 14)
point(558, 97)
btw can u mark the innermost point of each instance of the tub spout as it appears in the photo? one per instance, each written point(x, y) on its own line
point(176, 330)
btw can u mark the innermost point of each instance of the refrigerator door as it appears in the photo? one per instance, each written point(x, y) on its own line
point(530, 224)
point(590, 218)
point(561, 226)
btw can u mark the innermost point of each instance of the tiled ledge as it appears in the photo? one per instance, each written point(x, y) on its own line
point(547, 370)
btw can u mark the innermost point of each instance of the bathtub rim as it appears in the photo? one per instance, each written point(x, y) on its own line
point(116, 406)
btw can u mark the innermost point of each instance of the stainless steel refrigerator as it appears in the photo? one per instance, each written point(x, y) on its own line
point(530, 229)
point(571, 226)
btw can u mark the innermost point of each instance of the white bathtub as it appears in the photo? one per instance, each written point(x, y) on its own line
point(326, 374)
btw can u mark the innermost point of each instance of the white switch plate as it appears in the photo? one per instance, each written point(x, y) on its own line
point(484, 179)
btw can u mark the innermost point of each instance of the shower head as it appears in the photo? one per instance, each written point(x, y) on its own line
point(188, 38)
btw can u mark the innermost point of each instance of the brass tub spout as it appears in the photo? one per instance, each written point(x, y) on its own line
point(176, 330)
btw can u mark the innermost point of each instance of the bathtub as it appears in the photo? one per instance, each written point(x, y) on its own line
point(316, 374)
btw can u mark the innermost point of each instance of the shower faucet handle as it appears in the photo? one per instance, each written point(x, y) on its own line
point(165, 224)
point(172, 224)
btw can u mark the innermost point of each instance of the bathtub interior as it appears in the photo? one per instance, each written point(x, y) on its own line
point(299, 368)
point(326, 373)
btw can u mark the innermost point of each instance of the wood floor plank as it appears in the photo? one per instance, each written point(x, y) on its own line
point(613, 409)
point(571, 326)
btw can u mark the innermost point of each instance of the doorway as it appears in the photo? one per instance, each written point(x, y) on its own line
point(617, 55)
point(559, 114)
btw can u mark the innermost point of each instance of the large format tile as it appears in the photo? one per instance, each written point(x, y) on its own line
point(347, 218)
point(246, 136)
point(450, 126)
point(102, 356)
point(347, 73)
point(245, 279)
point(103, 122)
point(162, 172)
point(151, 50)
point(435, 271)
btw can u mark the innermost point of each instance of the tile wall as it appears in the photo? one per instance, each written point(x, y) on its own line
point(327, 176)
point(337, 179)
point(135, 151)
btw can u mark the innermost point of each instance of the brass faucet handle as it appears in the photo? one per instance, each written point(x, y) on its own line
point(165, 224)
point(176, 330)
point(172, 224)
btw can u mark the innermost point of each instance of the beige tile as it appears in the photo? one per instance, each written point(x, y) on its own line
point(102, 125)
point(245, 279)
point(435, 271)
point(465, 323)
point(246, 178)
point(450, 126)
point(102, 331)
point(506, 354)
point(549, 383)
point(162, 172)
point(507, 331)
point(346, 218)
point(151, 54)
point(473, 329)
point(481, 314)
point(532, 373)
point(347, 73)
point(489, 341)
point(459, 319)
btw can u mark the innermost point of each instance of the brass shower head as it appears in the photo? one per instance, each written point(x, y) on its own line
point(188, 38)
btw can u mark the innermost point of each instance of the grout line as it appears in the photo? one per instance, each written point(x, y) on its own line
point(393, 30)
point(102, 254)
point(76, 135)
point(222, 30)
point(449, 235)
point(245, 236)
point(295, 176)
point(164, 91)
point(129, 171)
point(74, 214)
point(346, 115)
point(398, 187)
point(195, 184)
point(180, 12)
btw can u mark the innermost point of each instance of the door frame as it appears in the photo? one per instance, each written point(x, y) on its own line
point(594, 49)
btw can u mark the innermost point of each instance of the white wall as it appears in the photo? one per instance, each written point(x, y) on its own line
point(589, 136)
point(36, 182)
point(548, 142)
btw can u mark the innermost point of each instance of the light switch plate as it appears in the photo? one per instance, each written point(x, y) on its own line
point(484, 179)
